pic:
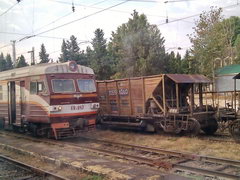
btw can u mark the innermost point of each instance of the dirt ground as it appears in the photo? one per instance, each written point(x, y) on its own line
point(62, 171)
point(230, 150)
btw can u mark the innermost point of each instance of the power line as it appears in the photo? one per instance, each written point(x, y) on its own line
point(54, 21)
point(66, 15)
point(82, 42)
point(173, 1)
point(84, 17)
point(113, 10)
point(5, 46)
point(180, 19)
point(12, 33)
point(8, 9)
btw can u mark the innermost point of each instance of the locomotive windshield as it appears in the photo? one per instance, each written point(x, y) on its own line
point(86, 85)
point(63, 85)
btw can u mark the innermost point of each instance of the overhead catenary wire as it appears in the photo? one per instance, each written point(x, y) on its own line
point(73, 21)
point(187, 17)
point(13, 33)
point(8, 9)
point(5, 46)
point(60, 18)
point(52, 22)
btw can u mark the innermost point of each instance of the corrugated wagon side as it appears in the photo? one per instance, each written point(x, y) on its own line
point(164, 101)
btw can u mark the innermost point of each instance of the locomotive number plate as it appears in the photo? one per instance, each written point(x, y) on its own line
point(77, 107)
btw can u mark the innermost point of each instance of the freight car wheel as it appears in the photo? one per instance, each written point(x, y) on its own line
point(193, 127)
point(234, 129)
point(211, 127)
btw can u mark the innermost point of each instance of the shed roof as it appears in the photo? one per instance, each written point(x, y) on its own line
point(188, 78)
point(231, 69)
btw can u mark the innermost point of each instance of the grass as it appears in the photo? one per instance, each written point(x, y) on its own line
point(93, 177)
point(170, 142)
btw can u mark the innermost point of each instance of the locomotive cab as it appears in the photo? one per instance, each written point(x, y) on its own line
point(54, 99)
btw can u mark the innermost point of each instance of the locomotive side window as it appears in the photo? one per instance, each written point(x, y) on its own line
point(63, 85)
point(40, 86)
point(1, 93)
point(33, 87)
point(36, 87)
point(86, 85)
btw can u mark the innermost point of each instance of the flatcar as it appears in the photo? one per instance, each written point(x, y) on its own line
point(162, 102)
point(52, 99)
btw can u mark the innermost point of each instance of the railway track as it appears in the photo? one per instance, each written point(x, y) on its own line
point(175, 160)
point(171, 161)
point(13, 169)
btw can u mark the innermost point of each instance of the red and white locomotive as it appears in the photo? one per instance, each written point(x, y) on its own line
point(53, 99)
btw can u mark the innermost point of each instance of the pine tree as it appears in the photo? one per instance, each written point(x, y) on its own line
point(9, 63)
point(64, 57)
point(44, 57)
point(138, 48)
point(73, 48)
point(2, 62)
point(100, 61)
point(21, 62)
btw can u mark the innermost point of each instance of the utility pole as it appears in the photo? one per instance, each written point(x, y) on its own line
point(32, 56)
point(14, 52)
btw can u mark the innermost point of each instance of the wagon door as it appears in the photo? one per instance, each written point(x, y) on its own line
point(12, 102)
point(22, 99)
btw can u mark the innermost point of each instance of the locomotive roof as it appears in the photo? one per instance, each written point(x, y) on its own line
point(45, 68)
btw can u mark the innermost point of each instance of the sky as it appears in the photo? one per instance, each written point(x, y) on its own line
point(33, 22)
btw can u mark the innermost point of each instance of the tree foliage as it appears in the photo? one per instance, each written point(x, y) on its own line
point(44, 57)
point(237, 46)
point(64, 57)
point(99, 58)
point(9, 63)
point(213, 40)
point(21, 62)
point(138, 48)
point(2, 62)
point(208, 42)
point(71, 52)
point(5, 62)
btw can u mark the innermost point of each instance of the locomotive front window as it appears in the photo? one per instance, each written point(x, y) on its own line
point(86, 85)
point(63, 85)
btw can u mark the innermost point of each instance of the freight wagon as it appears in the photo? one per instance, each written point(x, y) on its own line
point(54, 99)
point(162, 102)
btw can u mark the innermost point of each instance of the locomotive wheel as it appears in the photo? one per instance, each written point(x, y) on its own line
point(194, 127)
point(211, 127)
point(234, 129)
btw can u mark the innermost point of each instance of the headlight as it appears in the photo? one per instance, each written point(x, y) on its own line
point(94, 105)
point(55, 108)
